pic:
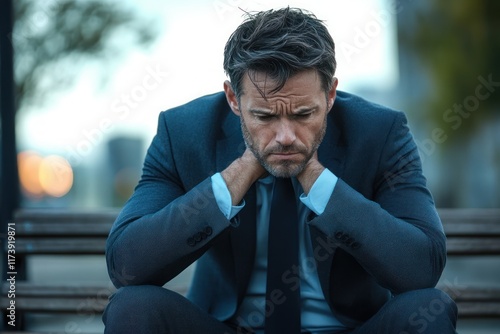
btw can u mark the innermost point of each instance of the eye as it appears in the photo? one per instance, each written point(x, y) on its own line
point(264, 117)
point(302, 116)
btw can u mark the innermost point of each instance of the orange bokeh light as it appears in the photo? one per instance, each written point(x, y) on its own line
point(40, 176)
point(55, 175)
point(29, 164)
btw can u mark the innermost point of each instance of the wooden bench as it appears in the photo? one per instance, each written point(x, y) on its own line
point(470, 232)
point(56, 232)
point(473, 232)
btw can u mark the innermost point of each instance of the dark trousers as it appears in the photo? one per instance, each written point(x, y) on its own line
point(151, 309)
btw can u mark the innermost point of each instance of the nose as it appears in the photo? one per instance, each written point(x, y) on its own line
point(285, 133)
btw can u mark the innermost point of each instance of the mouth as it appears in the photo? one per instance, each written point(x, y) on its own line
point(285, 155)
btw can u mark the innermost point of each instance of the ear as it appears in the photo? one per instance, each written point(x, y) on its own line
point(231, 98)
point(332, 94)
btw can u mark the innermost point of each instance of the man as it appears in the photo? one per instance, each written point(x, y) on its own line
point(304, 207)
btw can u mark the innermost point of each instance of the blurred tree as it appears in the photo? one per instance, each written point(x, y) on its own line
point(451, 84)
point(53, 39)
point(458, 42)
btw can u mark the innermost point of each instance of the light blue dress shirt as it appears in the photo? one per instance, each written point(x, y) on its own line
point(316, 316)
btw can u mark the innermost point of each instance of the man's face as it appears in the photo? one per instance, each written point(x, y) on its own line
point(284, 129)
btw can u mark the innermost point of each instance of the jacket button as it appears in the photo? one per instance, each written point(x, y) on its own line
point(235, 222)
point(355, 245)
point(311, 216)
point(339, 235)
point(349, 241)
point(208, 230)
point(191, 242)
point(197, 237)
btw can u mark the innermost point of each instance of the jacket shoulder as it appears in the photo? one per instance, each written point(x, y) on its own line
point(359, 109)
point(204, 106)
point(361, 119)
point(202, 117)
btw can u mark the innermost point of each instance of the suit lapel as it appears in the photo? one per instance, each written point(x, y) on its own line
point(332, 154)
point(243, 241)
point(243, 238)
point(230, 145)
point(332, 150)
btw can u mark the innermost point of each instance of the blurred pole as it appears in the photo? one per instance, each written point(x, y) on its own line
point(9, 180)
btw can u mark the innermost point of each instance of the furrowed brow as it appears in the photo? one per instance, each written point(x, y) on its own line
point(305, 110)
point(261, 112)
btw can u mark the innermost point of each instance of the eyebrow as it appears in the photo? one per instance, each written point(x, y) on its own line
point(300, 111)
point(305, 110)
point(261, 112)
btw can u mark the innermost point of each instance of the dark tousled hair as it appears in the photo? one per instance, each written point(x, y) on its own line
point(280, 43)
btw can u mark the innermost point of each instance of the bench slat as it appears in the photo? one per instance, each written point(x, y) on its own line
point(89, 229)
point(40, 222)
point(76, 305)
point(88, 246)
point(468, 294)
point(473, 246)
point(67, 290)
point(66, 215)
point(478, 310)
point(70, 298)
point(36, 290)
point(472, 229)
point(470, 222)
point(469, 215)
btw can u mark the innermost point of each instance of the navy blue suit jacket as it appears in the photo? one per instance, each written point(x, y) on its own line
point(379, 235)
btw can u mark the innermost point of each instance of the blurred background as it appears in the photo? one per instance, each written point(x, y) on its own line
point(92, 76)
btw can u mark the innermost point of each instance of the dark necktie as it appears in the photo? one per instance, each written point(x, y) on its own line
point(282, 293)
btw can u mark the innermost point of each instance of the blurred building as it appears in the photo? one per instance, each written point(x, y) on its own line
point(125, 159)
point(458, 133)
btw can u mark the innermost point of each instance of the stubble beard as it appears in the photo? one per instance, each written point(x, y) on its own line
point(285, 169)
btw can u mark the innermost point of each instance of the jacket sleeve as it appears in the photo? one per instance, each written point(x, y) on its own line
point(397, 235)
point(162, 228)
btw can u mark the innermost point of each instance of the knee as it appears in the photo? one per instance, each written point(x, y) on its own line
point(138, 295)
point(128, 300)
point(426, 309)
point(133, 305)
point(430, 302)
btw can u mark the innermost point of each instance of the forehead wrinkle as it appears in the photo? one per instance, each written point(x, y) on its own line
point(299, 93)
point(282, 105)
point(278, 104)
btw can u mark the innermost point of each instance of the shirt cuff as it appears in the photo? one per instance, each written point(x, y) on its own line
point(320, 192)
point(223, 197)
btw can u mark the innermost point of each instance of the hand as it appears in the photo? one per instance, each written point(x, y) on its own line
point(249, 160)
point(310, 173)
point(241, 174)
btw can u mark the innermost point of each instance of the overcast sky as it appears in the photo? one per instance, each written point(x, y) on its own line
point(186, 62)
